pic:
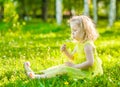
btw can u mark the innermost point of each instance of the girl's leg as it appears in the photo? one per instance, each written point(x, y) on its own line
point(37, 76)
point(55, 70)
point(51, 68)
point(52, 72)
point(48, 73)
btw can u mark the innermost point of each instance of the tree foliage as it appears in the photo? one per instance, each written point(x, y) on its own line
point(11, 17)
point(27, 9)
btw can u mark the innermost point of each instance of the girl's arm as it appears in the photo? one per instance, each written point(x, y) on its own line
point(65, 51)
point(69, 55)
point(89, 58)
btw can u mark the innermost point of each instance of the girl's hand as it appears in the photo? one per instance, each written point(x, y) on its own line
point(63, 48)
point(69, 64)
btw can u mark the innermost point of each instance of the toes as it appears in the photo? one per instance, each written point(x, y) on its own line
point(31, 75)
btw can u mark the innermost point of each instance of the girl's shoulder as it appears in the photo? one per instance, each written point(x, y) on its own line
point(89, 43)
point(86, 43)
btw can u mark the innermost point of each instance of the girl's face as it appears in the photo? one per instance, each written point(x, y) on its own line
point(75, 32)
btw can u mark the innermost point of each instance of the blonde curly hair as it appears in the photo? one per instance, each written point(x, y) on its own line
point(87, 27)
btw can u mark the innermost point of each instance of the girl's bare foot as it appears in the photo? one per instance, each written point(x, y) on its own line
point(27, 66)
point(28, 70)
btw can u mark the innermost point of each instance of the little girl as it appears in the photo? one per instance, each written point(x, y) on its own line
point(85, 62)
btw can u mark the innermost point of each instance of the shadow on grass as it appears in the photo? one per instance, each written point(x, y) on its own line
point(58, 81)
point(110, 33)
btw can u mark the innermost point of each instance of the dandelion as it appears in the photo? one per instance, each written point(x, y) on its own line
point(24, 23)
point(66, 83)
point(14, 25)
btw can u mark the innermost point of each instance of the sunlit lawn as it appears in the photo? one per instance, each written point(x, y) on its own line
point(40, 44)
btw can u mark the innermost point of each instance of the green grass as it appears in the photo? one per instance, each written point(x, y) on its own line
point(40, 43)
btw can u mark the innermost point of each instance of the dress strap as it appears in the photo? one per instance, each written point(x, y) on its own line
point(89, 42)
